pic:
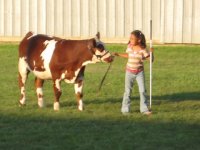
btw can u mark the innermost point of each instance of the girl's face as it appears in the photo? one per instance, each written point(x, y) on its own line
point(134, 40)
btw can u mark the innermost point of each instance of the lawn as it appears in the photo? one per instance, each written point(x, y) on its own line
point(174, 125)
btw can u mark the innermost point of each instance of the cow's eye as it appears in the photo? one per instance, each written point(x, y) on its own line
point(100, 47)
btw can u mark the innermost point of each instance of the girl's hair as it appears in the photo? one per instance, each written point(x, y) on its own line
point(140, 36)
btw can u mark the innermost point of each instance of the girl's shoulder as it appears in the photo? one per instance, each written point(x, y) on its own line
point(129, 48)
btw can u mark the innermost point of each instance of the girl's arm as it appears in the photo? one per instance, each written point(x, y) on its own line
point(148, 57)
point(124, 55)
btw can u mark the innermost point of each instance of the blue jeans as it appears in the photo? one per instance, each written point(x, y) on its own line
point(130, 79)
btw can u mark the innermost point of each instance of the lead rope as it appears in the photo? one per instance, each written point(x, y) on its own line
point(104, 77)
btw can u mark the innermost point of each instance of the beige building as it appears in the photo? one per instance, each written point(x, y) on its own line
point(174, 21)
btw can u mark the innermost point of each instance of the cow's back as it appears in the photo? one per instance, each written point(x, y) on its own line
point(47, 55)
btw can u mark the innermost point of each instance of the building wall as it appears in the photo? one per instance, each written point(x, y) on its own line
point(174, 21)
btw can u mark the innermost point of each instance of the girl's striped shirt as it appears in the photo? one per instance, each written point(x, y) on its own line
point(135, 59)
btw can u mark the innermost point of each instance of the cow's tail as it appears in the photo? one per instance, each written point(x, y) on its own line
point(24, 43)
point(29, 34)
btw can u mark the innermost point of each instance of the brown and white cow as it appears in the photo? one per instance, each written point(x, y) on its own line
point(57, 59)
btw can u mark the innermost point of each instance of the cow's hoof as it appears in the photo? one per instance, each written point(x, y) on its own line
point(41, 104)
point(56, 106)
point(21, 105)
point(80, 105)
point(80, 108)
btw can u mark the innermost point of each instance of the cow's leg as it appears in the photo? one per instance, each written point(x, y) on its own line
point(22, 77)
point(38, 85)
point(57, 92)
point(79, 94)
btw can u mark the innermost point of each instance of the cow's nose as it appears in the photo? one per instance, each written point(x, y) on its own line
point(109, 59)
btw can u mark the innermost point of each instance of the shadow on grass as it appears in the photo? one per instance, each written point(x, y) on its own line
point(171, 97)
point(179, 96)
point(86, 132)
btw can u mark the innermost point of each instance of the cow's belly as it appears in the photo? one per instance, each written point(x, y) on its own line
point(73, 78)
point(42, 74)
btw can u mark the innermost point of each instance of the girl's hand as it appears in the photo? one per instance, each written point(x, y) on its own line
point(151, 50)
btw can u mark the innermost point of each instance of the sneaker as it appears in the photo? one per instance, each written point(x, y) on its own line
point(126, 113)
point(148, 113)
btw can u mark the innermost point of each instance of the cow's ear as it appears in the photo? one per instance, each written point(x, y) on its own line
point(98, 36)
point(96, 41)
point(92, 43)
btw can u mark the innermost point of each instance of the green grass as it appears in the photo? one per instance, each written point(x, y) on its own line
point(174, 125)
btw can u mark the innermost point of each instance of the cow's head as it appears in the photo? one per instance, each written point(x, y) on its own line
point(99, 51)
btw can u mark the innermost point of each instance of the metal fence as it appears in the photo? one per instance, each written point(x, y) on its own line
point(174, 21)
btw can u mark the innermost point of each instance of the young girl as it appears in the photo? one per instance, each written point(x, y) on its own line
point(136, 54)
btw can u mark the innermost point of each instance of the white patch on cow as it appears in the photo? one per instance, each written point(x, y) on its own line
point(41, 103)
point(46, 56)
point(87, 62)
point(33, 34)
point(57, 83)
point(95, 59)
point(74, 78)
point(39, 91)
point(42, 75)
point(80, 106)
point(76, 72)
point(70, 81)
point(22, 90)
point(103, 53)
point(56, 106)
point(34, 63)
point(22, 67)
point(40, 99)
point(100, 53)
point(22, 101)
point(105, 56)
point(78, 89)
point(62, 76)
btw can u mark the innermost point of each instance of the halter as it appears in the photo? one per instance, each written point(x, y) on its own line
point(98, 56)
